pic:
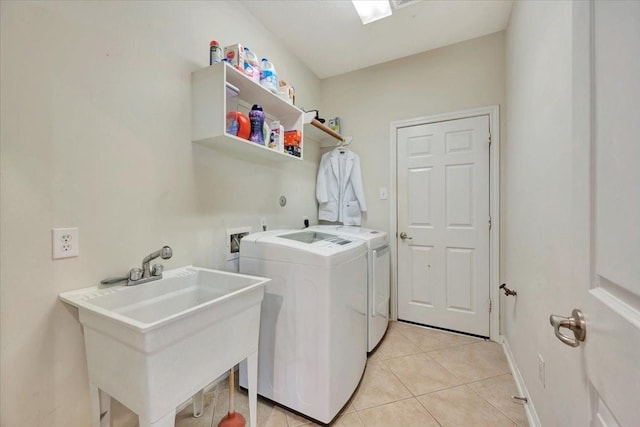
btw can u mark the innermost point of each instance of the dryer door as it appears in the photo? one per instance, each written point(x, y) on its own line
point(379, 308)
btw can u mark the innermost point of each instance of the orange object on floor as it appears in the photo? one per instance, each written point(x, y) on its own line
point(232, 419)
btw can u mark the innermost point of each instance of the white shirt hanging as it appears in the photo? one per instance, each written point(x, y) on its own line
point(339, 187)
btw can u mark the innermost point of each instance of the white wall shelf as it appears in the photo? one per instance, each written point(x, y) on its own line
point(210, 102)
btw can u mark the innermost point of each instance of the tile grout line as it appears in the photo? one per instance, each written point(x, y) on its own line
point(399, 380)
point(396, 401)
point(494, 406)
point(444, 368)
point(359, 418)
point(413, 396)
point(443, 348)
point(465, 383)
point(428, 411)
point(214, 405)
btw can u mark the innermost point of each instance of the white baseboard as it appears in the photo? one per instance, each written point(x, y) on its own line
point(529, 409)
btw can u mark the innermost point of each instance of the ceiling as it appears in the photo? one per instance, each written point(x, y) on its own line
point(329, 38)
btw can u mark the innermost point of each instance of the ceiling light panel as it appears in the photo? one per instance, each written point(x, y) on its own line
point(372, 10)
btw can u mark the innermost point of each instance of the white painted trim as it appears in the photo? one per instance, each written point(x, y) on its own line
point(529, 408)
point(494, 204)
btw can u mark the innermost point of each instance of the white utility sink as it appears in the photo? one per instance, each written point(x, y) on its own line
point(154, 345)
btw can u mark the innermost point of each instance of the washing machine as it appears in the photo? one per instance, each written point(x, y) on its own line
point(312, 350)
point(378, 276)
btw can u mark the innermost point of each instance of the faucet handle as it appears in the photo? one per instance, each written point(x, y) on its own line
point(157, 269)
point(135, 274)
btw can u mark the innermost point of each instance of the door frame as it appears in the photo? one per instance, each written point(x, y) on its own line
point(493, 111)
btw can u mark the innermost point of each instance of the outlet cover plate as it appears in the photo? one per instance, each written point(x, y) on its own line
point(65, 242)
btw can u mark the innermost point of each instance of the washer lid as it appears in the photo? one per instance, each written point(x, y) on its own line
point(301, 247)
point(374, 238)
point(317, 238)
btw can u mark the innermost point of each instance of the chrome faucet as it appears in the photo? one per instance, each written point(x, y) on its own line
point(145, 274)
point(165, 253)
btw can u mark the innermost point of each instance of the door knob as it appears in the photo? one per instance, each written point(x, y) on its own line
point(404, 236)
point(576, 323)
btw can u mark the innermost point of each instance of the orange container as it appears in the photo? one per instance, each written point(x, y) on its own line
point(238, 124)
point(292, 138)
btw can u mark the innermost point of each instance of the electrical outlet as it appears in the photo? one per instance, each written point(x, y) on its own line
point(65, 242)
point(541, 369)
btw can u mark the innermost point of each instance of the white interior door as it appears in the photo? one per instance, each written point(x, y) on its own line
point(609, 65)
point(443, 215)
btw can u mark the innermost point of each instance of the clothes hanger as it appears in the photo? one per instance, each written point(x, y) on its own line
point(342, 144)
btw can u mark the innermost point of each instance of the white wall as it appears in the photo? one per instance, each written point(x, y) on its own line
point(95, 134)
point(538, 197)
point(458, 77)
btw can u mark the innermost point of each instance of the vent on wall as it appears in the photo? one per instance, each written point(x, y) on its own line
point(399, 4)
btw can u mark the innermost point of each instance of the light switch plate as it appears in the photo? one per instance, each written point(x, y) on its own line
point(384, 195)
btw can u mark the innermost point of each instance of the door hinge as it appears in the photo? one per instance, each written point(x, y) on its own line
point(489, 305)
point(489, 222)
point(489, 139)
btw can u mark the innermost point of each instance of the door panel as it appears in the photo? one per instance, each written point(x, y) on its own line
point(612, 346)
point(420, 203)
point(443, 206)
point(458, 142)
point(421, 280)
point(459, 195)
point(459, 282)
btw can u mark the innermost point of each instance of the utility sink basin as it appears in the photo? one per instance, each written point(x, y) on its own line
point(154, 345)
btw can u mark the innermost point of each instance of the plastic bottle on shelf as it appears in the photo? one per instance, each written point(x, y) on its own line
point(251, 65)
point(256, 117)
point(215, 53)
point(268, 76)
point(276, 139)
point(266, 133)
point(238, 125)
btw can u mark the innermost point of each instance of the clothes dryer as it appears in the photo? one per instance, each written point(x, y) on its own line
point(378, 276)
point(312, 350)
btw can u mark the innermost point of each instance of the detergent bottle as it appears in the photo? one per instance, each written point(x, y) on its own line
point(256, 117)
point(251, 65)
point(268, 76)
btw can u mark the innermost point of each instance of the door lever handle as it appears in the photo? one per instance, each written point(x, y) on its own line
point(404, 236)
point(576, 323)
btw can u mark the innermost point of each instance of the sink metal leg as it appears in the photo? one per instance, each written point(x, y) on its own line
point(252, 380)
point(169, 420)
point(198, 403)
point(100, 407)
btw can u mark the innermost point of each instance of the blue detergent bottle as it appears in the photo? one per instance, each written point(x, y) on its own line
point(268, 76)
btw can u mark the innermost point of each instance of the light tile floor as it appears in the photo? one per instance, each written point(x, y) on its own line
point(416, 377)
